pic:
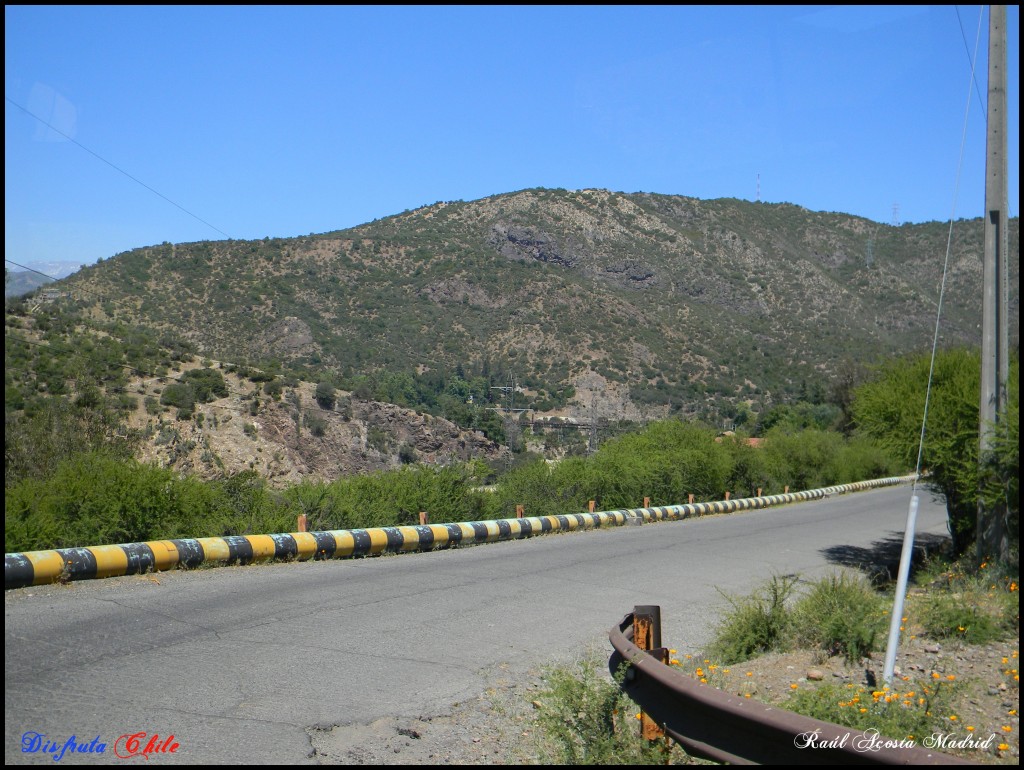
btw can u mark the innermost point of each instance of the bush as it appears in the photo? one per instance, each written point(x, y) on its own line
point(325, 395)
point(95, 499)
point(179, 394)
point(975, 605)
point(208, 384)
point(840, 615)
point(758, 623)
point(916, 710)
point(315, 425)
point(889, 409)
point(586, 719)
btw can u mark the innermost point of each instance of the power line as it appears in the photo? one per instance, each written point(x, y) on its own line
point(116, 168)
point(967, 50)
point(52, 278)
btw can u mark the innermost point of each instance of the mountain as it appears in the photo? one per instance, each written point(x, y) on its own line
point(624, 306)
point(22, 282)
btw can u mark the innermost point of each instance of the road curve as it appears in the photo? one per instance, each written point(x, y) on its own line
point(236, 663)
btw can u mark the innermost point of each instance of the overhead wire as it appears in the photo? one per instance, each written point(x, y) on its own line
point(115, 167)
point(908, 537)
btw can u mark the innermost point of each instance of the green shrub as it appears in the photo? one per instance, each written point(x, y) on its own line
point(972, 604)
point(959, 617)
point(179, 394)
point(208, 384)
point(315, 424)
point(325, 395)
point(840, 615)
point(917, 709)
point(586, 719)
point(758, 623)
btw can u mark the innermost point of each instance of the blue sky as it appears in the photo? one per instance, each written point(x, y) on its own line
point(283, 121)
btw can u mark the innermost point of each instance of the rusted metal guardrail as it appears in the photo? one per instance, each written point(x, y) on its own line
point(715, 725)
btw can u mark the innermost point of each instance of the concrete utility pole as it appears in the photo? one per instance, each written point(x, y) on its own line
point(991, 536)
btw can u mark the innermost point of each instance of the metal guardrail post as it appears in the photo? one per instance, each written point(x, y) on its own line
point(647, 636)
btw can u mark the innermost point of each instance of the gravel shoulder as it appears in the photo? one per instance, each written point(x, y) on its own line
point(498, 726)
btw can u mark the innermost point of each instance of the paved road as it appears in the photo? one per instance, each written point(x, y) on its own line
point(236, 662)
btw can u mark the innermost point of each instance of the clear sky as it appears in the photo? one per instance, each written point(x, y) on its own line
point(284, 121)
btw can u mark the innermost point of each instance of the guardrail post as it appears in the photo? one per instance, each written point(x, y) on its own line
point(727, 494)
point(690, 501)
point(786, 490)
point(302, 522)
point(519, 511)
point(647, 502)
point(647, 636)
point(423, 518)
point(593, 506)
point(759, 491)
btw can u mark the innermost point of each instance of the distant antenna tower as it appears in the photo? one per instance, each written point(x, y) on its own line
point(759, 187)
point(895, 215)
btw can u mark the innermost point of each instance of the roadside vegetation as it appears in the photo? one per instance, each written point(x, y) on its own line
point(958, 615)
point(583, 717)
point(71, 478)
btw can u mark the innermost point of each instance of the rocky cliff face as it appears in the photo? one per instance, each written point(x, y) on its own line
point(294, 439)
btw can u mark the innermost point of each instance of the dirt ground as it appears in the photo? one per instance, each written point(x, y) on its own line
point(498, 727)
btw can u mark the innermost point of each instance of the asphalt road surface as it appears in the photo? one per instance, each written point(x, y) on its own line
point(238, 662)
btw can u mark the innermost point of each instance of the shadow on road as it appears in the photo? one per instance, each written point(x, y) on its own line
point(880, 563)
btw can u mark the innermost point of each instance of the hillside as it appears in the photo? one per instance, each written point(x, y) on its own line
point(624, 305)
point(21, 282)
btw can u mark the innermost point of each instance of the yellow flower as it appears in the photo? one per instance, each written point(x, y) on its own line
point(750, 673)
point(673, 662)
point(951, 677)
point(671, 652)
point(1003, 747)
point(969, 729)
point(863, 710)
point(793, 686)
point(1006, 729)
point(699, 672)
point(953, 718)
point(746, 695)
point(703, 680)
point(638, 716)
point(935, 675)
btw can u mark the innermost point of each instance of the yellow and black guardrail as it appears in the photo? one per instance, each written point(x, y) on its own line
point(66, 564)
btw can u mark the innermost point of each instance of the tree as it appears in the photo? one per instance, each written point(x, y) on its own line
point(325, 395)
point(890, 410)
